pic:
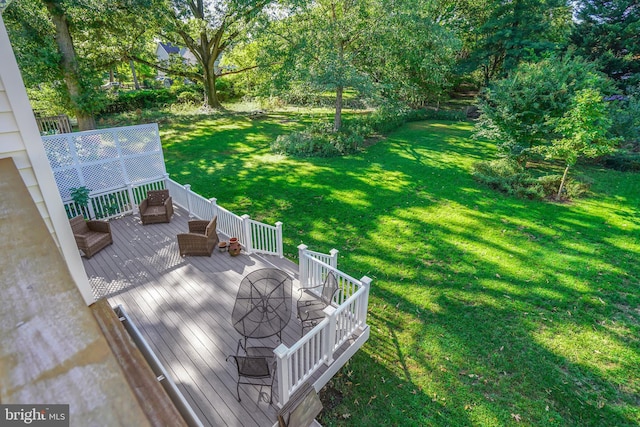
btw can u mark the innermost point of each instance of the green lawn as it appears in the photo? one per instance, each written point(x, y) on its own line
point(485, 309)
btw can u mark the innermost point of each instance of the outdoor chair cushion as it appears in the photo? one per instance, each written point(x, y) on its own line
point(157, 207)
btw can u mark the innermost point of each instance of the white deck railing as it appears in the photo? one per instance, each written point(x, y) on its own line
point(345, 319)
point(253, 235)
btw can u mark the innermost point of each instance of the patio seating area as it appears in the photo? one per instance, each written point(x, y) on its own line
point(183, 308)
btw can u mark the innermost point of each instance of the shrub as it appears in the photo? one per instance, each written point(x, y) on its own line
point(139, 99)
point(189, 97)
point(509, 177)
point(624, 160)
point(319, 140)
point(225, 89)
point(625, 113)
point(572, 189)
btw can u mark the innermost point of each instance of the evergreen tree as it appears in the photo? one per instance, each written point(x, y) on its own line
point(608, 32)
point(516, 31)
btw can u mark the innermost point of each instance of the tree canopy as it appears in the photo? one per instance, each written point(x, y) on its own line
point(608, 32)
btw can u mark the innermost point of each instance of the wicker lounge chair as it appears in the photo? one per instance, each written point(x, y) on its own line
point(157, 207)
point(201, 239)
point(91, 236)
point(311, 311)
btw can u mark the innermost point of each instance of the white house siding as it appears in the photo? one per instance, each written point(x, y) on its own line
point(20, 140)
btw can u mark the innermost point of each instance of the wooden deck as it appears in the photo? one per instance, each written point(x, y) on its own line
point(182, 306)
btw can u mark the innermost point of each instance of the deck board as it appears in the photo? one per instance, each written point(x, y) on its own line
point(182, 306)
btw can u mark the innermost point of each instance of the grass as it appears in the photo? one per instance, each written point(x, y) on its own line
point(485, 309)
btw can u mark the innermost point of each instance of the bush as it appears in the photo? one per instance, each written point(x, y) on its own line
point(188, 97)
point(318, 140)
point(139, 99)
point(509, 177)
point(388, 118)
point(572, 189)
point(225, 89)
point(624, 160)
point(625, 113)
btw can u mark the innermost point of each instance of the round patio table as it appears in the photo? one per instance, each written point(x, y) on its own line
point(263, 304)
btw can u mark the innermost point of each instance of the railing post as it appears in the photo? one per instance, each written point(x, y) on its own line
point(334, 258)
point(132, 198)
point(246, 224)
point(303, 265)
point(279, 245)
point(90, 210)
point(330, 313)
point(364, 305)
point(282, 370)
point(166, 180)
point(214, 207)
point(187, 188)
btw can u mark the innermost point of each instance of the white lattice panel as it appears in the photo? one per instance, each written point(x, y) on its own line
point(58, 151)
point(67, 179)
point(103, 176)
point(95, 146)
point(136, 140)
point(144, 168)
point(105, 159)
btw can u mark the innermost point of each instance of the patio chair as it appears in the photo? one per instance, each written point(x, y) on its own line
point(256, 367)
point(201, 239)
point(157, 207)
point(91, 236)
point(311, 311)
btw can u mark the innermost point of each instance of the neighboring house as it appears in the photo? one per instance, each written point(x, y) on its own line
point(164, 51)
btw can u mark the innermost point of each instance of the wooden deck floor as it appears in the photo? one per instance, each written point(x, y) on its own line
point(182, 306)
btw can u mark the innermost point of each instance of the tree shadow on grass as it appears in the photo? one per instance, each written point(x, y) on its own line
point(502, 304)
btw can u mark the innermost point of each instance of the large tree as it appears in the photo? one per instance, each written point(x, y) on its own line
point(505, 33)
point(208, 28)
point(357, 45)
point(67, 45)
point(608, 32)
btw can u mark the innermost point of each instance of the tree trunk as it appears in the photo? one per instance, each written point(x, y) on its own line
point(111, 77)
point(337, 120)
point(136, 85)
point(562, 181)
point(69, 64)
point(210, 95)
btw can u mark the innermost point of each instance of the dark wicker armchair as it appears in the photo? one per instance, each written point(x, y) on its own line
point(157, 207)
point(201, 239)
point(91, 236)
